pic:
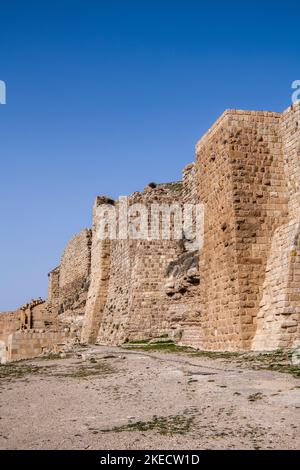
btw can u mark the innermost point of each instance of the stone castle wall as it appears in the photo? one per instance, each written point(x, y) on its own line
point(74, 274)
point(69, 283)
point(238, 290)
point(147, 314)
point(243, 177)
point(36, 326)
point(29, 344)
point(53, 290)
point(126, 299)
point(278, 320)
point(182, 278)
point(9, 323)
point(100, 269)
point(242, 185)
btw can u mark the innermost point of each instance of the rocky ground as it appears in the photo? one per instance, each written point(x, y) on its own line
point(150, 398)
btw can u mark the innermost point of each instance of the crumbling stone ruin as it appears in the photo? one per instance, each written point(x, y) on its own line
point(238, 291)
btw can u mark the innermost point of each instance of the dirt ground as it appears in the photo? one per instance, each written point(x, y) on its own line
point(114, 398)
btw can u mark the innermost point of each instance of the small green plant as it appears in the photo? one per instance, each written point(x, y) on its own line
point(163, 346)
point(88, 370)
point(18, 370)
point(178, 424)
point(52, 357)
point(216, 354)
point(137, 341)
point(255, 396)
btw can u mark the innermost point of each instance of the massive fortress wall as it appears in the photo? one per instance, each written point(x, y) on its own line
point(246, 176)
point(41, 326)
point(278, 320)
point(125, 300)
point(69, 283)
point(248, 179)
point(239, 291)
point(243, 186)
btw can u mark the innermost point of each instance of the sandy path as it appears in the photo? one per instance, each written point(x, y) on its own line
point(123, 399)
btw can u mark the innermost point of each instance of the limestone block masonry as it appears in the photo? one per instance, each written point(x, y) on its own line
point(69, 283)
point(239, 291)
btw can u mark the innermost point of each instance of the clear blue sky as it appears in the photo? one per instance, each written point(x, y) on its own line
point(105, 96)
